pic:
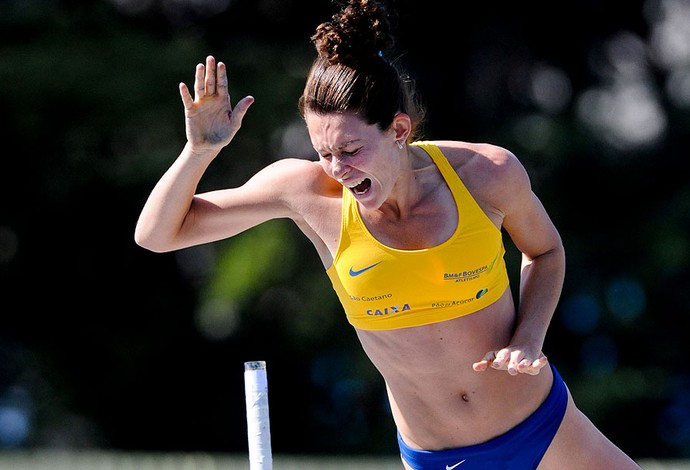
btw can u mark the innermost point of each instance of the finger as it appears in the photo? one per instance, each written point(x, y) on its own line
point(485, 362)
point(516, 357)
point(199, 82)
point(187, 100)
point(241, 108)
point(501, 360)
point(480, 366)
point(534, 367)
point(524, 365)
point(210, 75)
point(540, 363)
point(222, 79)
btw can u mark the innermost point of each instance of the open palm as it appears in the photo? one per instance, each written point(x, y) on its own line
point(210, 120)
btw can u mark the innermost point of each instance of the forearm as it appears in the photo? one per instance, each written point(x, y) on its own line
point(170, 202)
point(541, 284)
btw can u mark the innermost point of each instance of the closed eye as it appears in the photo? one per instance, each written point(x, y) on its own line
point(343, 154)
point(349, 154)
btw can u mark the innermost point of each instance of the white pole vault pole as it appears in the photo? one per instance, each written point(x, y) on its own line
point(258, 423)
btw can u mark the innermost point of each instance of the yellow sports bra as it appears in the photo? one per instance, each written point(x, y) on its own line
point(383, 288)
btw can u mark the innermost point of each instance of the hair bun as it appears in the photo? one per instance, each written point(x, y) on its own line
point(357, 34)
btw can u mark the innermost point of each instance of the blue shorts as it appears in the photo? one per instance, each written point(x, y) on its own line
point(521, 448)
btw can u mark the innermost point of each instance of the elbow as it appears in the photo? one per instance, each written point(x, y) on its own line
point(151, 246)
point(559, 250)
point(148, 242)
point(143, 242)
point(556, 250)
point(555, 254)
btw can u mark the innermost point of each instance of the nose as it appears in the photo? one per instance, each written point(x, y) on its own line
point(338, 167)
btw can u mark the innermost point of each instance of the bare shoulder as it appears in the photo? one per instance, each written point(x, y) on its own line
point(482, 161)
point(286, 167)
point(493, 174)
point(299, 186)
point(296, 175)
point(311, 198)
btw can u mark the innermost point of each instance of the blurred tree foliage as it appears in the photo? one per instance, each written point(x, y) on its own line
point(104, 344)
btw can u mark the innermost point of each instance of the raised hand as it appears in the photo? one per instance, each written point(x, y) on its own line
point(210, 120)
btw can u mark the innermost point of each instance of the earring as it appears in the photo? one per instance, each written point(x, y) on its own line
point(400, 144)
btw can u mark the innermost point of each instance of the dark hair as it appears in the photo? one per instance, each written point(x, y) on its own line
point(351, 73)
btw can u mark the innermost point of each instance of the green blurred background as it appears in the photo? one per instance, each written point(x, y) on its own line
point(104, 345)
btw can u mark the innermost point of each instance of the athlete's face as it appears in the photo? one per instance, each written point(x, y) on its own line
point(358, 155)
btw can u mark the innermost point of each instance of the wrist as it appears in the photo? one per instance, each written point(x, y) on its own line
point(201, 151)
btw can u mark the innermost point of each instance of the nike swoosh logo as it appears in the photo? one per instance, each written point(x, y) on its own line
point(354, 273)
point(451, 467)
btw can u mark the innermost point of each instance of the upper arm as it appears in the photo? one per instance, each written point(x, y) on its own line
point(523, 215)
point(531, 229)
point(270, 194)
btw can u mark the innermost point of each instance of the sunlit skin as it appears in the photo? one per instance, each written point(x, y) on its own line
point(351, 151)
point(450, 384)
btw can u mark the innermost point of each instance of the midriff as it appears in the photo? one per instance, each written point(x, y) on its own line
point(438, 401)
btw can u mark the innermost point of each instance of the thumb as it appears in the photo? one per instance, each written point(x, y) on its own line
point(241, 108)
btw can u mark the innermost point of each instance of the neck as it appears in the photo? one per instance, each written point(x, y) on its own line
point(418, 178)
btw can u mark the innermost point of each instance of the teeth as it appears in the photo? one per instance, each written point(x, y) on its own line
point(356, 183)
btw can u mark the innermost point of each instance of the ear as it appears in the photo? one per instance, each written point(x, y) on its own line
point(401, 126)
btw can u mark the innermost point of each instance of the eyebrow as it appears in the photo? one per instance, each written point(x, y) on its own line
point(349, 142)
point(344, 144)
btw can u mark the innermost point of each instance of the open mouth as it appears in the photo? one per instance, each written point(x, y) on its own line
point(361, 187)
